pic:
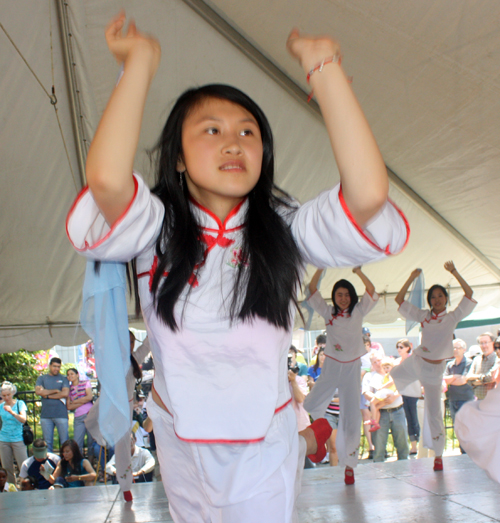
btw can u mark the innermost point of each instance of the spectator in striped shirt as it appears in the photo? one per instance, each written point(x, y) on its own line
point(80, 402)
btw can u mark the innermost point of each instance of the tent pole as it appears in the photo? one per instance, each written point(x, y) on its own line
point(81, 153)
point(432, 213)
point(259, 59)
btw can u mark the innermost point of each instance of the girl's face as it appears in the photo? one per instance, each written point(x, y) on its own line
point(386, 368)
point(72, 376)
point(222, 153)
point(67, 453)
point(438, 301)
point(321, 357)
point(342, 298)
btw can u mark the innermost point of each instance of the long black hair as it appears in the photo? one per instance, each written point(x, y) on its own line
point(264, 288)
point(344, 284)
point(77, 456)
point(432, 289)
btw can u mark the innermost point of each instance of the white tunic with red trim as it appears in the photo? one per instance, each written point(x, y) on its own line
point(224, 382)
point(344, 340)
point(437, 329)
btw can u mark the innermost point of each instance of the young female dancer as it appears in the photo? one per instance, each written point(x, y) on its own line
point(342, 367)
point(427, 362)
point(220, 252)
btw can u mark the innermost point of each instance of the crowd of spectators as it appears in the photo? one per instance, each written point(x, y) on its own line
point(384, 410)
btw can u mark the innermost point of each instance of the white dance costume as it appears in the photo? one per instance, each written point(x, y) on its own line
point(229, 438)
point(477, 426)
point(342, 370)
point(436, 344)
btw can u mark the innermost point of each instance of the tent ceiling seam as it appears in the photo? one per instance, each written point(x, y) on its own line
point(257, 57)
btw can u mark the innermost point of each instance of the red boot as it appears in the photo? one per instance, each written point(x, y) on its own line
point(438, 464)
point(322, 432)
point(128, 496)
point(349, 476)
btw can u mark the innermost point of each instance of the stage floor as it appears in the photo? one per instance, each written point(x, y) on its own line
point(396, 492)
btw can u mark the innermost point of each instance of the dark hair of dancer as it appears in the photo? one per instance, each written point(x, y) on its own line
point(432, 289)
point(77, 456)
point(136, 369)
point(344, 284)
point(264, 288)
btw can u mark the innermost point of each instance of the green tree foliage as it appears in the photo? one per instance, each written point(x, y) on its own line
point(18, 368)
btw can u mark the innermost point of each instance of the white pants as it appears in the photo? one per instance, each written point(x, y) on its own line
point(477, 425)
point(253, 483)
point(346, 377)
point(430, 376)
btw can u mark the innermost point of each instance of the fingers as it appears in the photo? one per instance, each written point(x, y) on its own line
point(132, 28)
point(113, 29)
point(294, 34)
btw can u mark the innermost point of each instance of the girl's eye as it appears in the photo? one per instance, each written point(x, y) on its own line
point(246, 132)
point(212, 130)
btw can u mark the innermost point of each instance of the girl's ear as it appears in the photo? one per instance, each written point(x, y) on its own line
point(181, 166)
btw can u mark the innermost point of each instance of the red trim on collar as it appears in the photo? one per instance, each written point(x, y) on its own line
point(349, 215)
point(117, 222)
point(222, 225)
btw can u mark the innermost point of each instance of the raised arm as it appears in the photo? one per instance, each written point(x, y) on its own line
point(450, 267)
point(370, 288)
point(363, 174)
point(111, 155)
point(313, 284)
point(400, 298)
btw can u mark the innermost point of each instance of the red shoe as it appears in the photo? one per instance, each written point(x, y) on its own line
point(128, 496)
point(349, 476)
point(438, 464)
point(375, 426)
point(322, 432)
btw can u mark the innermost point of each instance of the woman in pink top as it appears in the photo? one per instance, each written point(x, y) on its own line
point(80, 402)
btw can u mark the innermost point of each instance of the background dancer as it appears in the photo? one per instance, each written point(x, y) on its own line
point(428, 360)
point(220, 253)
point(342, 366)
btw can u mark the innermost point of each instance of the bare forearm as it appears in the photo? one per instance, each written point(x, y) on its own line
point(298, 395)
point(400, 298)
point(465, 286)
point(313, 284)
point(111, 155)
point(370, 288)
point(363, 174)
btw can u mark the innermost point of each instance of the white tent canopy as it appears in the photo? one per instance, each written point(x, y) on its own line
point(427, 74)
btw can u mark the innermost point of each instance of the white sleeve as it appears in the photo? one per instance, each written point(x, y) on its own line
point(317, 302)
point(410, 312)
point(149, 461)
point(464, 308)
point(328, 235)
point(367, 303)
point(130, 235)
point(23, 473)
point(142, 351)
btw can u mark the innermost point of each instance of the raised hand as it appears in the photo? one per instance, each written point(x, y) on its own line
point(122, 43)
point(310, 50)
point(416, 273)
point(449, 266)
